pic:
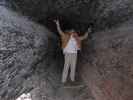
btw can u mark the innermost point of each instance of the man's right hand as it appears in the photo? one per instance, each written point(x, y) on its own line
point(58, 27)
point(56, 21)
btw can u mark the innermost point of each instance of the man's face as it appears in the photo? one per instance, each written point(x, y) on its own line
point(71, 31)
point(74, 34)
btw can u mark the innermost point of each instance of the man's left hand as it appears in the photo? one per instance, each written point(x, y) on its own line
point(89, 30)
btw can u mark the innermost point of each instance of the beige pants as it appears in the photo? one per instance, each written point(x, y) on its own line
point(70, 62)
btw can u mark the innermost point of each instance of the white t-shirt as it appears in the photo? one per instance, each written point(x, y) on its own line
point(71, 46)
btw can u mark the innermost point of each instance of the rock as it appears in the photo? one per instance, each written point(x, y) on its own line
point(30, 60)
point(20, 54)
point(109, 72)
point(101, 14)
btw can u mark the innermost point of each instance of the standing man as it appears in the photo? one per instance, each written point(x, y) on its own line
point(71, 43)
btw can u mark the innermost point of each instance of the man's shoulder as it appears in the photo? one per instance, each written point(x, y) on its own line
point(65, 34)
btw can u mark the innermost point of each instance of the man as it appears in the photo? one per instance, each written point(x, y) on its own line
point(71, 43)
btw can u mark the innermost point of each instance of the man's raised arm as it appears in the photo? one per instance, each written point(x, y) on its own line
point(85, 35)
point(58, 27)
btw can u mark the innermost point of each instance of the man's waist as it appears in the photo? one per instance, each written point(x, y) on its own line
point(70, 51)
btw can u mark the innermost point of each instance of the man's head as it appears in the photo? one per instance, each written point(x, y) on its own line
point(71, 31)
